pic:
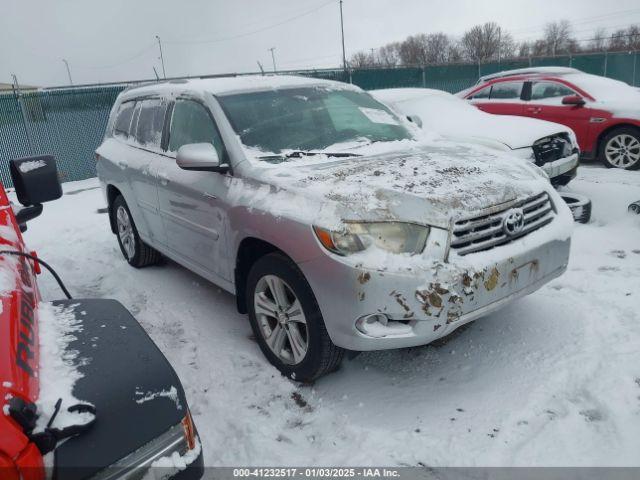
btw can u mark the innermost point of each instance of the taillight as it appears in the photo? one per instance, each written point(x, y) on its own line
point(189, 431)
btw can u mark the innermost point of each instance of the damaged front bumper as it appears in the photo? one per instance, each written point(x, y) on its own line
point(566, 166)
point(370, 309)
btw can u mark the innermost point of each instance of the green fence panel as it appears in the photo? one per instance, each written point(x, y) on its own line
point(559, 61)
point(451, 78)
point(371, 79)
point(620, 66)
point(593, 64)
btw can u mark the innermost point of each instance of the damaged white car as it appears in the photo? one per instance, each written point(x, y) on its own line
point(337, 224)
point(551, 146)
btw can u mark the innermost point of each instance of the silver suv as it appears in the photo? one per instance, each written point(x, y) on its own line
point(336, 223)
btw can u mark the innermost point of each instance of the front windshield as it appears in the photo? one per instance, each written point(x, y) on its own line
point(310, 119)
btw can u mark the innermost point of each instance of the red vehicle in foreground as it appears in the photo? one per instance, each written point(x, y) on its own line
point(604, 113)
point(135, 412)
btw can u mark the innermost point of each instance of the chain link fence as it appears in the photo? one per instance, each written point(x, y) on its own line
point(70, 122)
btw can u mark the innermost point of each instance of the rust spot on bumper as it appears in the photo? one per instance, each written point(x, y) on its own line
point(364, 277)
point(491, 282)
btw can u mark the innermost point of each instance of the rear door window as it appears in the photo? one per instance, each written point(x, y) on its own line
point(506, 91)
point(151, 123)
point(123, 120)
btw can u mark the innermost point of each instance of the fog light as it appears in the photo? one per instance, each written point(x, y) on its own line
point(378, 325)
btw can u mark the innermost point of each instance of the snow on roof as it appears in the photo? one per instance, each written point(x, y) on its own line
point(227, 85)
point(530, 71)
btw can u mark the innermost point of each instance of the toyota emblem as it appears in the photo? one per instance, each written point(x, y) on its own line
point(513, 222)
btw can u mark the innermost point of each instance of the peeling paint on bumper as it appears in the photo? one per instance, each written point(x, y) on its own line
point(433, 302)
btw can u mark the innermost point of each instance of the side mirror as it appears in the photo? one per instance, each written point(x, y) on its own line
point(415, 119)
point(575, 100)
point(200, 157)
point(35, 179)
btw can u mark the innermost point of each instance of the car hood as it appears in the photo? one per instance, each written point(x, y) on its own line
point(457, 119)
point(515, 132)
point(425, 184)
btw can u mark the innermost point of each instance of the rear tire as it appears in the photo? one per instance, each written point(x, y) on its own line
point(288, 324)
point(137, 253)
point(620, 148)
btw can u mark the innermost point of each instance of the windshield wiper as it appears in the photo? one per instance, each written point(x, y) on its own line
point(307, 153)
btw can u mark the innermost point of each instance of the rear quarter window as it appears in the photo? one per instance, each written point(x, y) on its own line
point(123, 120)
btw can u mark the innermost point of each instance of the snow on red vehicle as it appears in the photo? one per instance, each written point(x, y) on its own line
point(604, 113)
point(135, 410)
point(19, 457)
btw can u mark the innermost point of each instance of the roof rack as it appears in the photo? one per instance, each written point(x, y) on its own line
point(529, 71)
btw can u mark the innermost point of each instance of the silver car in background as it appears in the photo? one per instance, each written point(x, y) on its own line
point(333, 221)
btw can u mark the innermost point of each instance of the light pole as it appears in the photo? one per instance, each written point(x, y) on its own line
point(273, 58)
point(344, 56)
point(164, 73)
point(68, 71)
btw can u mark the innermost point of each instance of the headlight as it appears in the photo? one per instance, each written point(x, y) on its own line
point(393, 237)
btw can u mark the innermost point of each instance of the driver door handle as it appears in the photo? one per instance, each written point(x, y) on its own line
point(534, 109)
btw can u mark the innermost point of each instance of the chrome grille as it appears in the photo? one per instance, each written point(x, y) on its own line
point(484, 232)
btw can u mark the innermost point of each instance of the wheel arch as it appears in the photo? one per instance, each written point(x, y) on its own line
point(250, 250)
point(112, 194)
point(610, 129)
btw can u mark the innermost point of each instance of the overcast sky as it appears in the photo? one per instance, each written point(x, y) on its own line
point(114, 40)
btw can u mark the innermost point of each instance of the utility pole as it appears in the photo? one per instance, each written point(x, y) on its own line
point(273, 58)
point(164, 73)
point(68, 71)
point(373, 56)
point(344, 56)
point(260, 65)
point(18, 94)
point(156, 72)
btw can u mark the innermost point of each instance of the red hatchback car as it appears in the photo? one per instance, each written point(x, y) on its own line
point(604, 113)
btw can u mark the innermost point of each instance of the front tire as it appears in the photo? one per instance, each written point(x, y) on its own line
point(287, 322)
point(137, 253)
point(620, 148)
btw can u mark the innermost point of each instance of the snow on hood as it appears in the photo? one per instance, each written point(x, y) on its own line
point(420, 183)
point(453, 117)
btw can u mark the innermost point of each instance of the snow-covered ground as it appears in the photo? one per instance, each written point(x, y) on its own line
point(552, 379)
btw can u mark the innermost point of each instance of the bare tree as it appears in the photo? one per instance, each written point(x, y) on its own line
point(626, 39)
point(599, 42)
point(413, 50)
point(558, 39)
point(362, 60)
point(388, 55)
point(487, 41)
point(524, 49)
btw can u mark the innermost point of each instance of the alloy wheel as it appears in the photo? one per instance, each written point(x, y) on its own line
point(623, 151)
point(125, 232)
point(281, 319)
